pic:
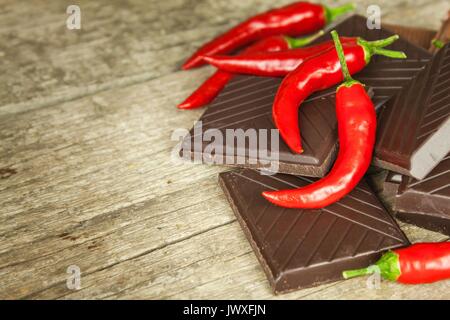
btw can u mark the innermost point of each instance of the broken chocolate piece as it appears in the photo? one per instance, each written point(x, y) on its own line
point(305, 248)
point(414, 127)
point(426, 203)
point(246, 103)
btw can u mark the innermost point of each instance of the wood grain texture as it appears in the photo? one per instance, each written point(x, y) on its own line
point(86, 173)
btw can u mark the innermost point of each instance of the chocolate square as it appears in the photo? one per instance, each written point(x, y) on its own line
point(304, 248)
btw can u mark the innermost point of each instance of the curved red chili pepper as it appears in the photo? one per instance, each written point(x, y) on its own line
point(357, 120)
point(271, 64)
point(295, 19)
point(419, 263)
point(209, 89)
point(318, 73)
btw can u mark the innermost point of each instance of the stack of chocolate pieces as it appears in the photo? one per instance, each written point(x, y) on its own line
point(413, 143)
point(304, 248)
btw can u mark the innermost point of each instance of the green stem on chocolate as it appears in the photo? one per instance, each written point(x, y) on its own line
point(377, 47)
point(389, 53)
point(388, 267)
point(360, 272)
point(332, 13)
point(340, 52)
point(382, 42)
point(303, 41)
point(437, 43)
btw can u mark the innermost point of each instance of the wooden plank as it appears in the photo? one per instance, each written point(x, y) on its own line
point(218, 264)
point(90, 182)
point(44, 63)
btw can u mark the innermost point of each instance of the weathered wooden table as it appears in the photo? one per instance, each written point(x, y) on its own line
point(86, 176)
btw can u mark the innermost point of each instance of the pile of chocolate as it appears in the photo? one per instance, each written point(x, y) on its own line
point(409, 179)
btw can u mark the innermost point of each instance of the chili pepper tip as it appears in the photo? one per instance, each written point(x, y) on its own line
point(184, 105)
point(270, 196)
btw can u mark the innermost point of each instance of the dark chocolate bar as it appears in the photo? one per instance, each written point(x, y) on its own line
point(426, 203)
point(414, 128)
point(246, 103)
point(304, 248)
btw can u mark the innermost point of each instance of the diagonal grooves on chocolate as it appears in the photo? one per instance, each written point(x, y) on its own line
point(356, 188)
point(291, 227)
point(240, 105)
point(384, 134)
point(245, 111)
point(273, 223)
point(306, 145)
point(439, 189)
point(442, 85)
point(233, 123)
point(433, 129)
point(246, 95)
point(363, 225)
point(409, 110)
point(380, 243)
point(439, 109)
point(250, 202)
point(299, 244)
point(389, 223)
point(325, 119)
point(338, 244)
point(307, 119)
point(418, 182)
point(255, 181)
point(360, 241)
point(236, 81)
point(319, 243)
point(246, 86)
point(435, 80)
point(441, 99)
point(348, 195)
point(314, 97)
point(339, 203)
point(262, 213)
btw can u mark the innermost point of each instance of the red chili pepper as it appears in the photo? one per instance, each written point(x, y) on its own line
point(271, 64)
point(318, 73)
point(295, 19)
point(419, 263)
point(357, 121)
point(214, 84)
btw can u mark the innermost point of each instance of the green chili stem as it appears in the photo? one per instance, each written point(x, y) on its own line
point(377, 47)
point(301, 42)
point(359, 272)
point(437, 43)
point(341, 55)
point(332, 13)
point(382, 42)
point(389, 53)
